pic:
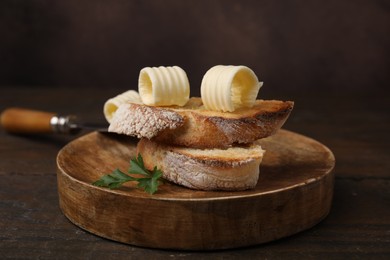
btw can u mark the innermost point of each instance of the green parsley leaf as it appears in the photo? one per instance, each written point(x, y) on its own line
point(137, 166)
point(113, 180)
point(149, 182)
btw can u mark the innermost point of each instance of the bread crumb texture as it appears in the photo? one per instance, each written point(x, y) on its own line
point(194, 174)
point(143, 121)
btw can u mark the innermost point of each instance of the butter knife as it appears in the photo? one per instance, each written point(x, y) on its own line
point(26, 121)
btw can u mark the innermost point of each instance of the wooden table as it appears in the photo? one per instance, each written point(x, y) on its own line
point(355, 127)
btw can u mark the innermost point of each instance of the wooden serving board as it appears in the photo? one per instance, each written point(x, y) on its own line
point(293, 194)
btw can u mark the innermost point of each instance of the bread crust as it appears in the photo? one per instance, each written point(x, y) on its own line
point(216, 169)
point(193, 126)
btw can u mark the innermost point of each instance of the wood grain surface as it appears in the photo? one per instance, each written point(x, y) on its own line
point(294, 193)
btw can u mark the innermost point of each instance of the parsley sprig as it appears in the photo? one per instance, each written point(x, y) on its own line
point(149, 182)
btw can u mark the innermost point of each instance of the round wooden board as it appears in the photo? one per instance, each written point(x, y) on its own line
point(293, 194)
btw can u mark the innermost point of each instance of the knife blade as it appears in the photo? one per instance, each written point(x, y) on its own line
point(27, 121)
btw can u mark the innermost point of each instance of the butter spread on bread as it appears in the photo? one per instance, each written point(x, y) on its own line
point(209, 142)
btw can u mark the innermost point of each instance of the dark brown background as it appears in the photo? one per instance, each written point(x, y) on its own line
point(292, 45)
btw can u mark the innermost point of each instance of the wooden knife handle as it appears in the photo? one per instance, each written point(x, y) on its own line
point(26, 121)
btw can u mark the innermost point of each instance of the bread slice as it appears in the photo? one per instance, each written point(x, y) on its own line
point(194, 126)
point(231, 169)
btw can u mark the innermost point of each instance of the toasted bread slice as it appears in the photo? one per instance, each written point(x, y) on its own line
point(193, 126)
point(232, 169)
